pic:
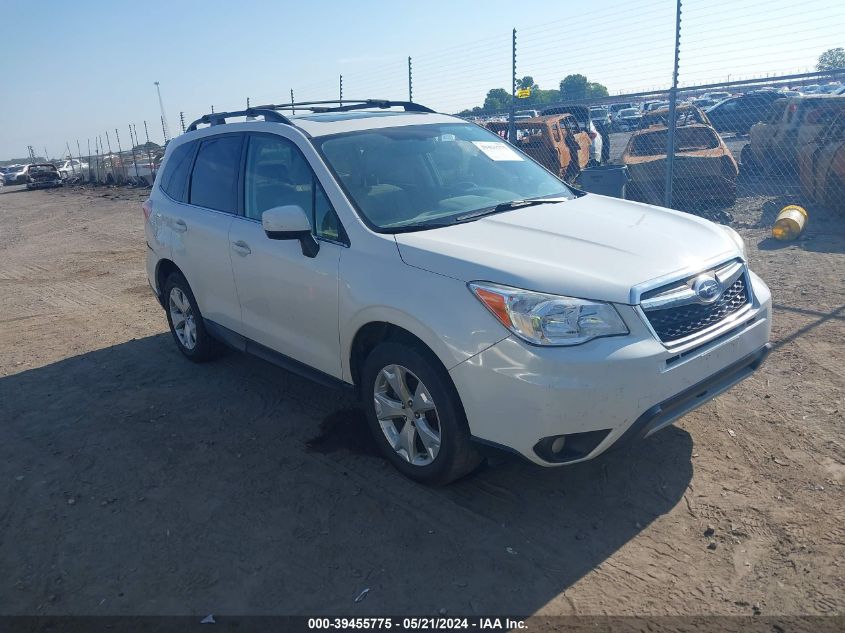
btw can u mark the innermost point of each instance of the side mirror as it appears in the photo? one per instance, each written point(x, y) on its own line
point(290, 223)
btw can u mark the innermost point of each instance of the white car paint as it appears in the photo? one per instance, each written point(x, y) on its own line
point(514, 393)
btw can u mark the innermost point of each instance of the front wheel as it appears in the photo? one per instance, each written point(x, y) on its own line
point(415, 414)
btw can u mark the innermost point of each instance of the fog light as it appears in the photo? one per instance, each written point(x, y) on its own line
point(558, 444)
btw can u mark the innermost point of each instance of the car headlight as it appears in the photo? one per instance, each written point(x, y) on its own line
point(737, 239)
point(543, 319)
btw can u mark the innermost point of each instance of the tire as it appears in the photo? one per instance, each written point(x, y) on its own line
point(748, 162)
point(436, 407)
point(192, 339)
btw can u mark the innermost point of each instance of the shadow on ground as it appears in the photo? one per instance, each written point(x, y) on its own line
point(135, 482)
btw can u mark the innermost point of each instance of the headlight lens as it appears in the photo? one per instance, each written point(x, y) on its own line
point(544, 319)
point(737, 238)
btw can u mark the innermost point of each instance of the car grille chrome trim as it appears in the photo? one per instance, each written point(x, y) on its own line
point(680, 317)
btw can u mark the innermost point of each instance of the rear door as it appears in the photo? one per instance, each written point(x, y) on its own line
point(200, 225)
point(289, 302)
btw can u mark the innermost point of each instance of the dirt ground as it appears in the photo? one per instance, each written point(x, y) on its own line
point(134, 482)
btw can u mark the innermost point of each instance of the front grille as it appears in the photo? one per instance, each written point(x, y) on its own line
point(674, 323)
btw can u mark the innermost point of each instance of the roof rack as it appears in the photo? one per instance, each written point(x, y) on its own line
point(219, 118)
point(270, 112)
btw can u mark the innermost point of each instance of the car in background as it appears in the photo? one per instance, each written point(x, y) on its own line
point(704, 170)
point(525, 114)
point(648, 106)
point(738, 114)
point(628, 119)
point(717, 96)
point(615, 108)
point(600, 116)
point(821, 165)
point(42, 176)
point(556, 142)
point(813, 89)
point(596, 152)
point(832, 88)
point(71, 168)
point(15, 175)
point(789, 124)
point(703, 103)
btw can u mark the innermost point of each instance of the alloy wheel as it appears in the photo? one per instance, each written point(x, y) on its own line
point(407, 415)
point(182, 317)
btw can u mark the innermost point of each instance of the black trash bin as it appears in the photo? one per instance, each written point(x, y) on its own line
point(607, 180)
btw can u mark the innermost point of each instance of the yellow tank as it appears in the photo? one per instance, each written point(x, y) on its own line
point(790, 222)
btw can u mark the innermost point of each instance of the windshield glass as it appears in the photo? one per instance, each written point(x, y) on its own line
point(629, 112)
point(418, 176)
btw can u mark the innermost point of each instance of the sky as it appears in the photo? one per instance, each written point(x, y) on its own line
point(75, 70)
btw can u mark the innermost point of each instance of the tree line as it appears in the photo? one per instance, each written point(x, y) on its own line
point(572, 88)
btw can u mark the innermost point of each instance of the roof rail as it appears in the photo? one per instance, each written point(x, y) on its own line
point(219, 118)
point(270, 112)
point(346, 105)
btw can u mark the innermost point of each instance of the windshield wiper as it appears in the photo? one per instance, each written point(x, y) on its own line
point(508, 206)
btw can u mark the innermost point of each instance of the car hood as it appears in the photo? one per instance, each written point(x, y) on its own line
point(593, 247)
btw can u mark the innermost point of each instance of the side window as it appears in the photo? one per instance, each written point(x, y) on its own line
point(277, 174)
point(175, 175)
point(214, 181)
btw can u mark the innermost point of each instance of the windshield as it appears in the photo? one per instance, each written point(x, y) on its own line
point(420, 176)
point(628, 112)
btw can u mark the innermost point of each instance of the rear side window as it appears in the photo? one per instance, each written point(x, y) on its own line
point(175, 175)
point(214, 181)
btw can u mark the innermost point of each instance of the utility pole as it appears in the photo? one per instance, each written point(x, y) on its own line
point(164, 126)
point(673, 103)
point(182, 121)
point(341, 90)
point(292, 107)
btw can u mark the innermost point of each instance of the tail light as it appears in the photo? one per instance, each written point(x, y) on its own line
point(147, 208)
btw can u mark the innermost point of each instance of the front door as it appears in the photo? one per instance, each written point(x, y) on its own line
point(289, 302)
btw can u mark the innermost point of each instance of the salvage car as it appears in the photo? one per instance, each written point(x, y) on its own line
point(556, 142)
point(738, 114)
point(821, 165)
point(704, 169)
point(585, 123)
point(42, 176)
point(465, 294)
point(789, 124)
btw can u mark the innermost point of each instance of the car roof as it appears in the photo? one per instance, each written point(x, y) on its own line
point(318, 124)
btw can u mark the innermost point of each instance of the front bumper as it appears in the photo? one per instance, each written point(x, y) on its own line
point(517, 396)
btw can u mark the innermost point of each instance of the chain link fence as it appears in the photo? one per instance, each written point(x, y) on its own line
point(704, 105)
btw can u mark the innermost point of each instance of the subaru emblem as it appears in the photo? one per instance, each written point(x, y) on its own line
point(707, 289)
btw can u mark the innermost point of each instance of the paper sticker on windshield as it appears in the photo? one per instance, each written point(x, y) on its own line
point(497, 151)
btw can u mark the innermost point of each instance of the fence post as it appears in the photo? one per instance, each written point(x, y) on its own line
point(70, 157)
point(79, 154)
point(132, 144)
point(90, 163)
point(149, 154)
point(120, 155)
point(673, 102)
point(410, 82)
point(511, 120)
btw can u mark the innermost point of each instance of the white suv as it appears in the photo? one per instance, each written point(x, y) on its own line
point(466, 293)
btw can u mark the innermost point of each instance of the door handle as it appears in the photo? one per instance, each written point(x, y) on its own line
point(241, 248)
point(180, 226)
